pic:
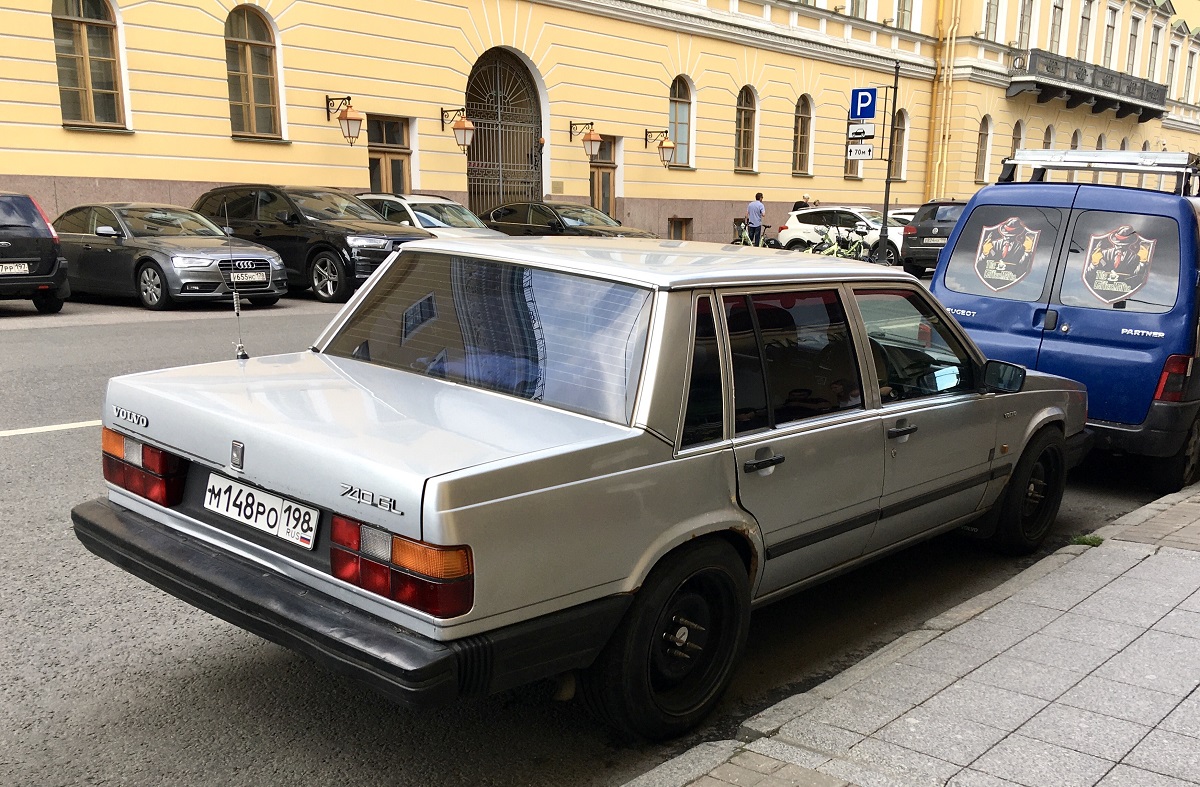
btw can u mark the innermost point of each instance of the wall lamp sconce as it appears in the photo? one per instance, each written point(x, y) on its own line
point(591, 140)
point(888, 22)
point(980, 33)
point(1013, 43)
point(666, 148)
point(349, 119)
point(837, 9)
point(464, 129)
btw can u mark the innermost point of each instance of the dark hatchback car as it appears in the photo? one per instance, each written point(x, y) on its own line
point(926, 235)
point(163, 255)
point(330, 240)
point(557, 218)
point(31, 263)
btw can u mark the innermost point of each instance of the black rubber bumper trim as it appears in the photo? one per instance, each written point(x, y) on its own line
point(1078, 446)
point(406, 667)
point(409, 668)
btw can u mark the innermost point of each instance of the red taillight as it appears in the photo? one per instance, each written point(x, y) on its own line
point(45, 218)
point(782, 227)
point(434, 579)
point(1173, 379)
point(142, 469)
point(909, 230)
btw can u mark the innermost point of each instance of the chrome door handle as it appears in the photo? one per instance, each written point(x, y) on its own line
point(901, 431)
point(87, 246)
point(763, 464)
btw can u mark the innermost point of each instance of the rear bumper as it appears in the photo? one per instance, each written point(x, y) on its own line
point(53, 283)
point(914, 254)
point(406, 667)
point(1161, 434)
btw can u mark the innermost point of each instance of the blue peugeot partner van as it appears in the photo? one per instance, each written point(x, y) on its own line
point(1093, 282)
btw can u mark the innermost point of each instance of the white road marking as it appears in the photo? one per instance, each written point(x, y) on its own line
point(54, 428)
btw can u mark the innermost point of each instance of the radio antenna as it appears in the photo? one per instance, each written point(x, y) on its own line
point(239, 349)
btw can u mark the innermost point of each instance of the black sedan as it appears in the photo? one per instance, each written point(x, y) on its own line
point(557, 218)
point(163, 255)
point(925, 236)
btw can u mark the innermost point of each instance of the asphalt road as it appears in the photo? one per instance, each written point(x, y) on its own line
point(106, 680)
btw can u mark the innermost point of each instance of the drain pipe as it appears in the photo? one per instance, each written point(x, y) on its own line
point(935, 101)
point(949, 48)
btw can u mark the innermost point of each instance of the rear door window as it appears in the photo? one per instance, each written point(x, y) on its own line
point(1005, 252)
point(1122, 261)
point(77, 221)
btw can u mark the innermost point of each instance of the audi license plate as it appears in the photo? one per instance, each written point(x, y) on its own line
point(248, 276)
point(935, 241)
point(267, 512)
point(7, 268)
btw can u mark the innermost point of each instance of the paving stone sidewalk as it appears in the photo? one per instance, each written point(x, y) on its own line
point(1082, 670)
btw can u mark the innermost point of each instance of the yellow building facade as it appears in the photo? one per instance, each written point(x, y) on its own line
point(157, 101)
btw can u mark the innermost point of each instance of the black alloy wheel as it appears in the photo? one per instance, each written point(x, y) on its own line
point(1033, 495)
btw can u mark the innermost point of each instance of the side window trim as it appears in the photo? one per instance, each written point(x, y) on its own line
point(722, 340)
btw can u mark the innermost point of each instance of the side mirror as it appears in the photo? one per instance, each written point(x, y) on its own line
point(1003, 377)
point(105, 231)
point(405, 223)
point(861, 227)
point(286, 216)
point(227, 230)
point(555, 225)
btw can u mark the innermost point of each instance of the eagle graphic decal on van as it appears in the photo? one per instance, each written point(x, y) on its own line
point(1118, 263)
point(1005, 253)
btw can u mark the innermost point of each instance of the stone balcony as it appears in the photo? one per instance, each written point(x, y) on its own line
point(1052, 76)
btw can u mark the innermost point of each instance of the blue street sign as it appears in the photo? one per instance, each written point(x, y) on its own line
point(862, 103)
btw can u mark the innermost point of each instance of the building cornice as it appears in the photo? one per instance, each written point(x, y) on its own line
point(698, 20)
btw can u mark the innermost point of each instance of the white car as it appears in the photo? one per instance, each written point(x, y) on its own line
point(444, 217)
point(806, 227)
point(903, 215)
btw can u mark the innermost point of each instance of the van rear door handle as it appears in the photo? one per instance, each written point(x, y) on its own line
point(1051, 321)
point(763, 464)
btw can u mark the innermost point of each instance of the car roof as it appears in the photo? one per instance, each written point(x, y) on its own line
point(413, 198)
point(142, 205)
point(662, 264)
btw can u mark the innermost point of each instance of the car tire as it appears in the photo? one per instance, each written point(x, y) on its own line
point(152, 290)
point(264, 300)
point(915, 270)
point(1034, 492)
point(329, 279)
point(892, 257)
point(48, 303)
point(1182, 469)
point(695, 602)
point(799, 245)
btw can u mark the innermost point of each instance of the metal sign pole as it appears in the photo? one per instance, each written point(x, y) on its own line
point(881, 248)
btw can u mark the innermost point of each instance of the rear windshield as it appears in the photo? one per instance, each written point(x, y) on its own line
point(1004, 251)
point(940, 212)
point(444, 214)
point(561, 339)
point(19, 213)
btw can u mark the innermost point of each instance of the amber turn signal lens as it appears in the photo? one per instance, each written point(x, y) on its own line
point(431, 561)
point(112, 443)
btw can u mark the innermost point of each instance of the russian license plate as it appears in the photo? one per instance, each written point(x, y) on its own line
point(248, 276)
point(935, 241)
point(267, 512)
point(8, 268)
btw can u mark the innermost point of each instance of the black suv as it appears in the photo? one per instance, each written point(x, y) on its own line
point(329, 239)
point(926, 235)
point(31, 261)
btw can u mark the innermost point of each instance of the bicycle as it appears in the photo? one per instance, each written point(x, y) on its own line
point(834, 244)
point(742, 237)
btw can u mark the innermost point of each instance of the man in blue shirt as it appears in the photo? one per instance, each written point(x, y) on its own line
point(754, 219)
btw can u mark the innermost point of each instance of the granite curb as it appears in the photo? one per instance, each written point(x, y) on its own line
point(753, 734)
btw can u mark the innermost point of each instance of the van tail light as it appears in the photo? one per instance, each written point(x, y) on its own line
point(45, 218)
point(142, 469)
point(909, 229)
point(1174, 379)
point(434, 579)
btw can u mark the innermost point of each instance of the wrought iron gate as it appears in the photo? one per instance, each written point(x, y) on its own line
point(504, 163)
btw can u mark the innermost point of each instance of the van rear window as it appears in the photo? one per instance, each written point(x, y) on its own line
point(1005, 252)
point(1122, 261)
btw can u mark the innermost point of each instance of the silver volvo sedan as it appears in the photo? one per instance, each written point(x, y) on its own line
point(511, 460)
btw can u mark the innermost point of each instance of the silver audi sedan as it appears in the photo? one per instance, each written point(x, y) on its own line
point(163, 255)
point(574, 458)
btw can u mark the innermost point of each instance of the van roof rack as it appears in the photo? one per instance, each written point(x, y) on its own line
point(1183, 165)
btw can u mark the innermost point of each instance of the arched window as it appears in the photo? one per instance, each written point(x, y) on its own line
point(802, 137)
point(1048, 138)
point(983, 149)
point(89, 75)
point(679, 122)
point(1076, 143)
point(899, 146)
point(743, 152)
point(1018, 138)
point(250, 61)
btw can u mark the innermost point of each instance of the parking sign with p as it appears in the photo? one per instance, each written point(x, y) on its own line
point(862, 103)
